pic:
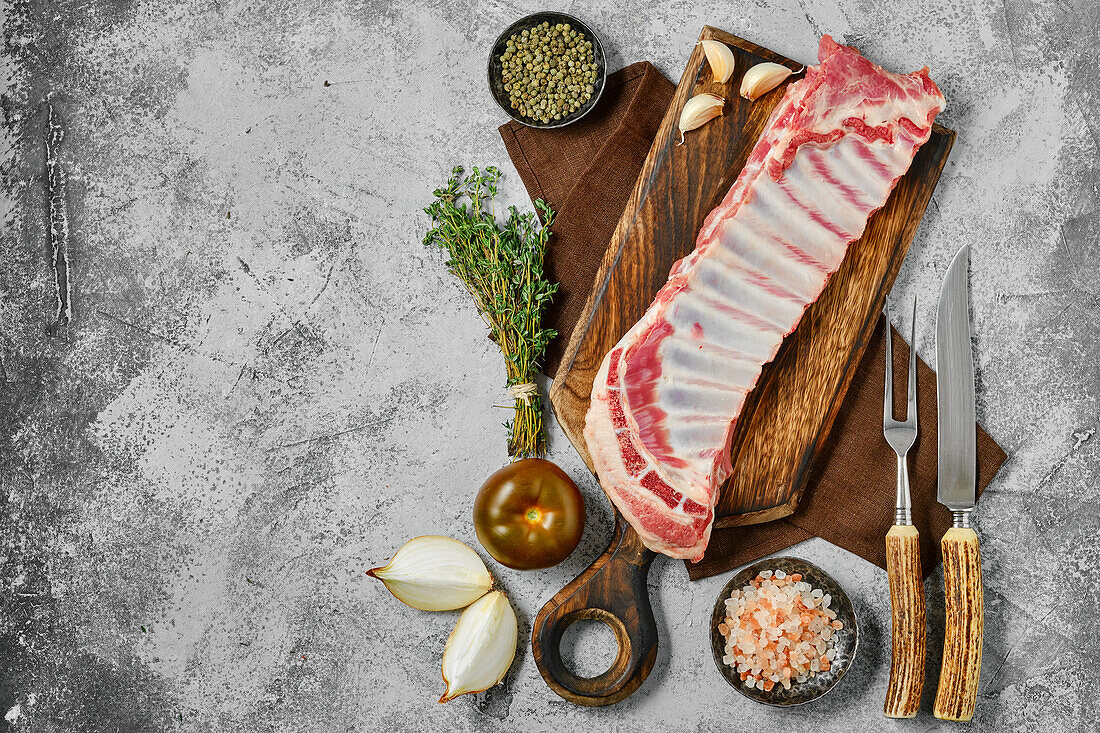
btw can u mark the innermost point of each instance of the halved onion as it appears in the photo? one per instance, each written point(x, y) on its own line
point(481, 648)
point(434, 573)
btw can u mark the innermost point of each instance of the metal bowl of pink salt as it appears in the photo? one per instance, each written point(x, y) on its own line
point(783, 632)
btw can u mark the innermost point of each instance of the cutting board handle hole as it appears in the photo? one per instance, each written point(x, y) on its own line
point(589, 644)
point(586, 628)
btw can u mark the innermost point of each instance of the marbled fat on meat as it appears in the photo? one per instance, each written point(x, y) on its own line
point(667, 396)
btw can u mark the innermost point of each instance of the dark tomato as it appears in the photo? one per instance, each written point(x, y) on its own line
point(529, 515)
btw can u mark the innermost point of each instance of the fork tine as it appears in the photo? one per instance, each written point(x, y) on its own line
point(911, 409)
point(888, 400)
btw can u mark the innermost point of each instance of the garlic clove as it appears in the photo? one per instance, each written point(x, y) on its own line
point(434, 573)
point(481, 648)
point(761, 79)
point(699, 110)
point(720, 58)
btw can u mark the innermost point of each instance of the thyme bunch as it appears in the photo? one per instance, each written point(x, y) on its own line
point(501, 267)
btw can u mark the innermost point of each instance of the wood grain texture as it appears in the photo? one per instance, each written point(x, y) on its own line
point(908, 634)
point(788, 415)
point(612, 590)
point(962, 642)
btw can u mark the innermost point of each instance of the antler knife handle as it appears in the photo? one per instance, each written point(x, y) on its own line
point(908, 637)
point(962, 644)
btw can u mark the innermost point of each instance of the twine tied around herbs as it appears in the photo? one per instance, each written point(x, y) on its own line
point(524, 391)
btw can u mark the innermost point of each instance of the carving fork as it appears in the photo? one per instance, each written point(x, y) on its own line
point(908, 640)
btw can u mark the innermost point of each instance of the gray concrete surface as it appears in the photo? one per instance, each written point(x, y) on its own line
point(267, 383)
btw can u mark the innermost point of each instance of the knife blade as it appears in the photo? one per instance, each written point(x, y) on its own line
point(957, 452)
point(955, 389)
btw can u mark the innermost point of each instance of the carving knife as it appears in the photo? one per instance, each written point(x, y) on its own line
point(962, 567)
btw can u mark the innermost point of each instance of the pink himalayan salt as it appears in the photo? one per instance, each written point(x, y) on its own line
point(778, 630)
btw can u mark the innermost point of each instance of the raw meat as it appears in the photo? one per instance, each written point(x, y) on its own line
point(667, 396)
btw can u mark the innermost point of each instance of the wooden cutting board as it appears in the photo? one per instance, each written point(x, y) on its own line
point(788, 415)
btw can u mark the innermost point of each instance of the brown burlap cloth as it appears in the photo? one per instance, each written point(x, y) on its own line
point(586, 173)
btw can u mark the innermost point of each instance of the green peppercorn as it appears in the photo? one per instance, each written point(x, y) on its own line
point(548, 71)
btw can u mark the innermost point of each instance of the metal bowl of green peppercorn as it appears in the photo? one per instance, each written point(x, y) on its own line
point(547, 70)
